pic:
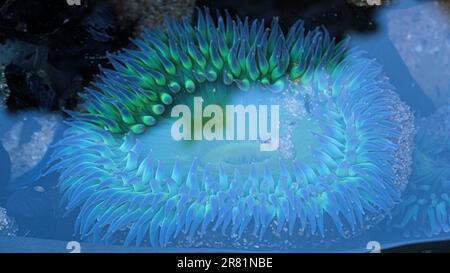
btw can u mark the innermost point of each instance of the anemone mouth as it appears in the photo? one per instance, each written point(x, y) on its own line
point(342, 160)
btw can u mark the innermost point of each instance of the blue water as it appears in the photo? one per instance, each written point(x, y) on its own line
point(35, 218)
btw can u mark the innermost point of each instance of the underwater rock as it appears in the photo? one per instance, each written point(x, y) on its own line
point(342, 167)
point(77, 50)
point(426, 53)
point(34, 21)
point(67, 45)
point(151, 13)
point(28, 89)
point(28, 140)
point(13, 51)
point(100, 23)
point(8, 226)
point(4, 90)
point(83, 47)
point(369, 3)
point(426, 208)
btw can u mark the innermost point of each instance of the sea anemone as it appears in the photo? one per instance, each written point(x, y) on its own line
point(342, 163)
point(426, 209)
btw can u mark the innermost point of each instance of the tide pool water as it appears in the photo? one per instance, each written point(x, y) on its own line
point(356, 166)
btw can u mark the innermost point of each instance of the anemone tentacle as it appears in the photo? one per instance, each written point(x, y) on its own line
point(344, 175)
point(426, 209)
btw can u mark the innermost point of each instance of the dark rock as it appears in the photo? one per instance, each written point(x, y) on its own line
point(100, 23)
point(77, 50)
point(71, 42)
point(81, 48)
point(34, 176)
point(33, 21)
point(28, 89)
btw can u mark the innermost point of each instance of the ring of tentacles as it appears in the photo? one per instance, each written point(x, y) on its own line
point(344, 140)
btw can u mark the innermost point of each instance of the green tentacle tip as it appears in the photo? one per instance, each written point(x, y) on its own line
point(166, 98)
point(158, 109)
point(138, 129)
point(174, 87)
point(190, 86)
point(148, 120)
